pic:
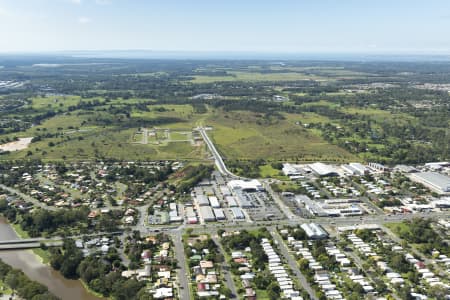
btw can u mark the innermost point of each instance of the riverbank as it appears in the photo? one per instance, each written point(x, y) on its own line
point(100, 296)
point(31, 264)
point(43, 255)
point(14, 281)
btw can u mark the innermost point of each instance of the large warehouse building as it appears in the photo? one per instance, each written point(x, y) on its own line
point(322, 169)
point(437, 182)
point(218, 212)
point(246, 185)
point(202, 200)
point(207, 214)
point(237, 213)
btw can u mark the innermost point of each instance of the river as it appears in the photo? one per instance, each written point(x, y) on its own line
point(31, 265)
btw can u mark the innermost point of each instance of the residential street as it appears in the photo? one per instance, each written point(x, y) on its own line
point(225, 270)
point(292, 262)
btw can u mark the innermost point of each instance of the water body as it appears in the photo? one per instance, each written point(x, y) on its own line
point(30, 264)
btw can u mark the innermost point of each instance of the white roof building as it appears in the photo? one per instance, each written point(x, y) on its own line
point(322, 169)
point(214, 202)
point(314, 231)
point(246, 185)
point(437, 182)
point(218, 212)
point(207, 214)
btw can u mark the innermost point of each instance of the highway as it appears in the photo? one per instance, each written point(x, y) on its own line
point(217, 158)
point(183, 282)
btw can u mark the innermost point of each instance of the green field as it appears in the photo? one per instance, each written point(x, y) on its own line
point(267, 171)
point(76, 136)
point(180, 136)
point(55, 102)
point(253, 76)
point(246, 135)
point(239, 135)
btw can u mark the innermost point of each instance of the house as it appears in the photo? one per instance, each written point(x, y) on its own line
point(206, 264)
point(250, 293)
point(163, 293)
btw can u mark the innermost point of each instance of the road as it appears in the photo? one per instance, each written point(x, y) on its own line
point(225, 270)
point(326, 221)
point(218, 159)
point(20, 246)
point(358, 262)
point(183, 274)
point(145, 136)
point(292, 263)
point(28, 198)
point(419, 254)
point(276, 197)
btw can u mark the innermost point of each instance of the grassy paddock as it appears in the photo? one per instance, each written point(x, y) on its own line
point(246, 135)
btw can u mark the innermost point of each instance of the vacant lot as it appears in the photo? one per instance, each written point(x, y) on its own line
point(246, 135)
point(78, 137)
point(20, 144)
point(254, 76)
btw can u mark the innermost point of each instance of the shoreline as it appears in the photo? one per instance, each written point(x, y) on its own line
point(23, 235)
point(45, 259)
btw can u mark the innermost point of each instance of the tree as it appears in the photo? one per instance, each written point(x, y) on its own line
point(225, 291)
point(438, 292)
point(12, 279)
point(31, 289)
point(273, 291)
point(303, 264)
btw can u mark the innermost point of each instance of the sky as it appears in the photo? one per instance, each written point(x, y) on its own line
point(278, 26)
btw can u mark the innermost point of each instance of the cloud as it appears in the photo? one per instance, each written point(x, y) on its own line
point(78, 2)
point(84, 20)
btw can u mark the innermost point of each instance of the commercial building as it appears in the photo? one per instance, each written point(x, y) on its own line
point(202, 200)
point(322, 169)
point(231, 201)
point(214, 201)
point(225, 190)
point(237, 213)
point(355, 169)
point(314, 231)
point(404, 169)
point(436, 166)
point(291, 170)
point(173, 213)
point(207, 214)
point(360, 169)
point(191, 217)
point(311, 206)
point(174, 217)
point(244, 199)
point(441, 203)
point(246, 185)
point(218, 212)
point(378, 167)
point(437, 182)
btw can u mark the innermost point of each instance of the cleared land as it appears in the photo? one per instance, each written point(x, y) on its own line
point(83, 135)
point(21, 144)
point(247, 135)
point(253, 76)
